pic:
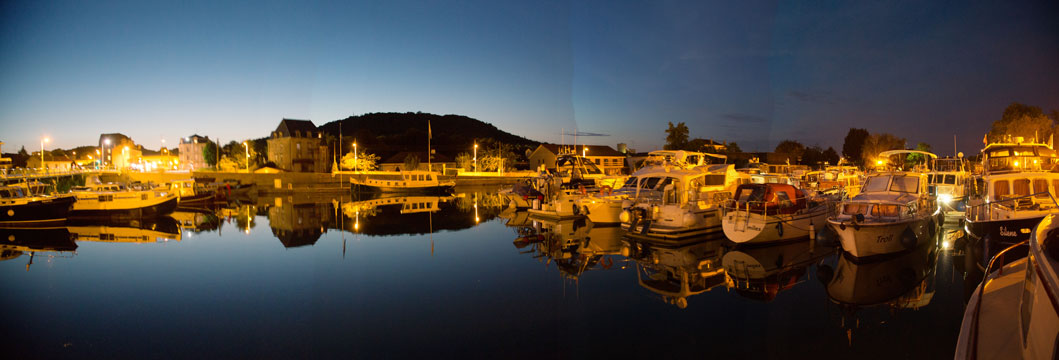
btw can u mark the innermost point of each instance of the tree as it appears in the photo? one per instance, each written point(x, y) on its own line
point(465, 161)
point(361, 162)
point(790, 149)
point(878, 143)
point(676, 136)
point(854, 144)
point(411, 162)
point(913, 159)
point(209, 153)
point(1022, 120)
point(813, 156)
point(831, 156)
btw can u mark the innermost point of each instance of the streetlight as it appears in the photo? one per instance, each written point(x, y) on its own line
point(475, 156)
point(42, 141)
point(355, 156)
point(584, 150)
point(247, 148)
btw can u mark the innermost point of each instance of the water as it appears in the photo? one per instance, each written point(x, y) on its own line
point(280, 279)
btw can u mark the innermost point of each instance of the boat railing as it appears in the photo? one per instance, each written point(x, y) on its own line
point(998, 262)
point(759, 207)
point(989, 210)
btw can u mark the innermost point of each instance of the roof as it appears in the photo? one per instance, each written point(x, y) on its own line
point(593, 150)
point(399, 157)
point(290, 126)
point(194, 138)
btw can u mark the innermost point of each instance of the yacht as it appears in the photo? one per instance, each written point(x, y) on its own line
point(950, 179)
point(762, 213)
point(844, 180)
point(18, 208)
point(1016, 190)
point(670, 203)
point(117, 201)
point(410, 181)
point(1013, 313)
point(191, 192)
point(894, 212)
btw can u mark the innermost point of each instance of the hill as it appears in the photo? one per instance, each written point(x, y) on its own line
point(385, 134)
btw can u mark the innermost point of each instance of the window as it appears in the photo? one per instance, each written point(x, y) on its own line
point(876, 184)
point(950, 179)
point(886, 210)
point(1001, 189)
point(1021, 187)
point(907, 184)
point(1040, 187)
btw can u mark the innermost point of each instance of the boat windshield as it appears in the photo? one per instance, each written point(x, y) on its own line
point(11, 193)
point(908, 184)
point(1021, 158)
point(941, 179)
point(876, 184)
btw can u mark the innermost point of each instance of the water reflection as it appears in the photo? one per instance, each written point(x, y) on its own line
point(575, 246)
point(126, 231)
point(677, 273)
point(51, 242)
point(761, 273)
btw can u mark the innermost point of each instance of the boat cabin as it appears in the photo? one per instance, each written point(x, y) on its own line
point(1023, 190)
point(110, 187)
point(770, 198)
point(12, 192)
point(997, 158)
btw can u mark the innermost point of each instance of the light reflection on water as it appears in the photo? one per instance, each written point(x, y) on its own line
point(326, 275)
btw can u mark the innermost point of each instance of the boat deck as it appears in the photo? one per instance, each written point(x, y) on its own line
point(1000, 310)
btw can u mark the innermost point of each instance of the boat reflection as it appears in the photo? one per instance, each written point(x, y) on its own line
point(761, 273)
point(196, 220)
point(902, 282)
point(574, 245)
point(15, 242)
point(160, 229)
point(417, 214)
point(677, 273)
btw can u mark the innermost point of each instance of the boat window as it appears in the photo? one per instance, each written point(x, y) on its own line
point(709, 180)
point(1055, 187)
point(1040, 187)
point(751, 194)
point(5, 194)
point(856, 208)
point(909, 184)
point(950, 179)
point(999, 153)
point(629, 183)
point(783, 199)
point(1001, 189)
point(886, 210)
point(430, 177)
point(876, 184)
point(930, 179)
point(1021, 187)
point(649, 183)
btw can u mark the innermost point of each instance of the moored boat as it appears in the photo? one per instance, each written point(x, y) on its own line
point(17, 208)
point(117, 201)
point(762, 213)
point(410, 181)
point(672, 204)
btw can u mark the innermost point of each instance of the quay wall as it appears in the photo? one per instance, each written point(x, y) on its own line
point(292, 181)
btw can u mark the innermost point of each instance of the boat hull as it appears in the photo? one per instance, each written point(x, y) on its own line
point(602, 211)
point(43, 212)
point(163, 206)
point(872, 239)
point(989, 237)
point(751, 228)
point(710, 224)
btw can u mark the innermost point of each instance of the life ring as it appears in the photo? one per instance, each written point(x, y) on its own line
point(605, 190)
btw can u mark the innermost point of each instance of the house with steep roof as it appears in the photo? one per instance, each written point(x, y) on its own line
point(605, 157)
point(190, 150)
point(298, 146)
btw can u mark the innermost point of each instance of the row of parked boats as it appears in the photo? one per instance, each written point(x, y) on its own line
point(893, 210)
point(38, 204)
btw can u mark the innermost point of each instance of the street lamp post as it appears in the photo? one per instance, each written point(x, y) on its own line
point(42, 141)
point(475, 156)
point(355, 155)
point(247, 148)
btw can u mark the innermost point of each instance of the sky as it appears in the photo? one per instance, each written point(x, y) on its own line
point(751, 72)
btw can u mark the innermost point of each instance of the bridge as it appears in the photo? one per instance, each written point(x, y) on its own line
point(11, 176)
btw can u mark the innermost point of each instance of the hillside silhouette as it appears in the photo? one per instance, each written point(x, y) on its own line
point(385, 134)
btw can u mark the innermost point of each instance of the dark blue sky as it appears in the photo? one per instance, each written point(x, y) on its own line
point(752, 73)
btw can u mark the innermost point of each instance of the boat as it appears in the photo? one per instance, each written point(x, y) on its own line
point(950, 179)
point(894, 212)
point(521, 195)
point(1013, 313)
point(18, 208)
point(1016, 190)
point(405, 181)
point(763, 213)
point(673, 204)
point(841, 179)
point(191, 192)
point(116, 201)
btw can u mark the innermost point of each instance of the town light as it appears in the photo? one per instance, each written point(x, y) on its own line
point(42, 141)
point(355, 155)
point(879, 162)
point(584, 150)
point(247, 148)
point(476, 156)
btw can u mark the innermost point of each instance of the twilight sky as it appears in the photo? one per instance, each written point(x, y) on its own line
point(752, 73)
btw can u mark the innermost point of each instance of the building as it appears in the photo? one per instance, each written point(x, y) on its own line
point(190, 150)
point(5, 162)
point(51, 162)
point(439, 162)
point(118, 150)
point(605, 157)
point(297, 145)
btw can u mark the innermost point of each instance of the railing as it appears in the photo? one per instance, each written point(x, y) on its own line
point(22, 173)
point(998, 260)
point(757, 207)
point(984, 211)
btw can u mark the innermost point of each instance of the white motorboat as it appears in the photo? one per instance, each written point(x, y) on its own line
point(762, 213)
point(679, 203)
point(1013, 313)
point(411, 181)
point(950, 179)
point(117, 201)
point(894, 212)
point(1015, 191)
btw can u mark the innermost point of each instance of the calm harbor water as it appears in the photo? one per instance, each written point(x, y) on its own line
point(296, 276)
